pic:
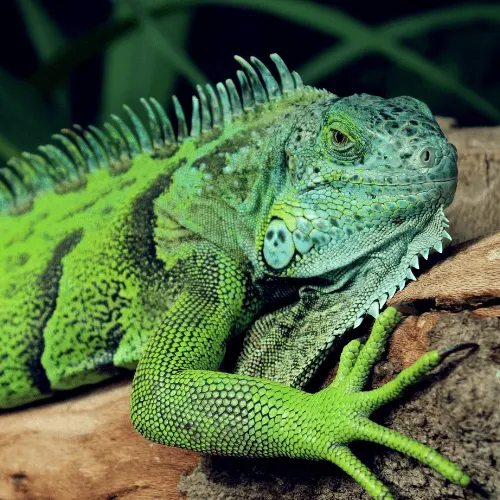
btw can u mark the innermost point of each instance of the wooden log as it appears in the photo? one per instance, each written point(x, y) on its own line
point(86, 448)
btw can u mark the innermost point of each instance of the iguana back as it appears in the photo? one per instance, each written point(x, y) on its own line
point(86, 228)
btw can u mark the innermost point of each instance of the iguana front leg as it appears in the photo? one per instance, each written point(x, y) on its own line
point(179, 399)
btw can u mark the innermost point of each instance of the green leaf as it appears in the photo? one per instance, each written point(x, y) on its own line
point(364, 39)
point(134, 70)
point(424, 22)
point(48, 41)
point(161, 43)
point(44, 33)
point(330, 60)
point(25, 120)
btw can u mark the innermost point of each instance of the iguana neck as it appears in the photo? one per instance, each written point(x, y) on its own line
point(326, 311)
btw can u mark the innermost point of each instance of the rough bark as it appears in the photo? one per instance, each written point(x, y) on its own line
point(85, 448)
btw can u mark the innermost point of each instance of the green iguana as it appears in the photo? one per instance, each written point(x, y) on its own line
point(285, 211)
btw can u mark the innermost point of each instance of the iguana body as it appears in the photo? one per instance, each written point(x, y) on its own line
point(123, 247)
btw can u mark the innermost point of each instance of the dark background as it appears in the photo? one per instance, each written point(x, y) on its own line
point(64, 62)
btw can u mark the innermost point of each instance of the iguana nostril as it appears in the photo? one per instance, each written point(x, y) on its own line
point(427, 156)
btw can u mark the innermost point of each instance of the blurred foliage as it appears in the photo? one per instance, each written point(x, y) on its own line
point(79, 61)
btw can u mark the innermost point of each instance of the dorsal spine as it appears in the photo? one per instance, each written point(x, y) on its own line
point(81, 151)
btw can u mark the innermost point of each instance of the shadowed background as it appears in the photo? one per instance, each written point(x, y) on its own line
point(79, 61)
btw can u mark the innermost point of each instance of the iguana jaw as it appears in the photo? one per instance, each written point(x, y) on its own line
point(327, 246)
point(395, 277)
point(364, 285)
point(311, 232)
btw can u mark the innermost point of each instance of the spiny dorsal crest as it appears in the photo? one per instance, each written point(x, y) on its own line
point(115, 145)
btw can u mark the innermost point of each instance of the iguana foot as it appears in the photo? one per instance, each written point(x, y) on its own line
point(349, 408)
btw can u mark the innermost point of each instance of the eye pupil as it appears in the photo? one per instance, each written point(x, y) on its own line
point(339, 138)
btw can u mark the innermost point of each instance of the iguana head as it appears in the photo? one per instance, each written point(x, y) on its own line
point(366, 176)
point(363, 187)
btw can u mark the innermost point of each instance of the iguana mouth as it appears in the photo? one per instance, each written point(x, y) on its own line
point(310, 188)
point(424, 183)
point(438, 181)
point(289, 239)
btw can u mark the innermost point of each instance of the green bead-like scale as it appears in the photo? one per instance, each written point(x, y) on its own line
point(284, 212)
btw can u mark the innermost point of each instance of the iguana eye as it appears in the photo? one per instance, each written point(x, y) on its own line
point(340, 140)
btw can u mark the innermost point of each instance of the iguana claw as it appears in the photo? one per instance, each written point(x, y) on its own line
point(444, 353)
point(349, 409)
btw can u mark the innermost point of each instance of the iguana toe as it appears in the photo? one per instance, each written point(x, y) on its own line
point(349, 409)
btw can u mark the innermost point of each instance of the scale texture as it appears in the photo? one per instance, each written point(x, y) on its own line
point(283, 212)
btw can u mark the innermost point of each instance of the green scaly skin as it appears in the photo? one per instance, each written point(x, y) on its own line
point(290, 215)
